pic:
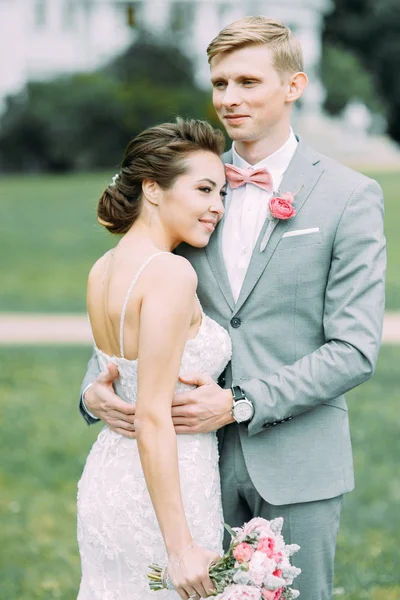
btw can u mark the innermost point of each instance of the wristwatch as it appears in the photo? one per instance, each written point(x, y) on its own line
point(242, 408)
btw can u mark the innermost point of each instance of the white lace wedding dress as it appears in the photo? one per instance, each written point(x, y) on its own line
point(118, 533)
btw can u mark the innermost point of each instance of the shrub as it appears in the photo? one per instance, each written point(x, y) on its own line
point(84, 121)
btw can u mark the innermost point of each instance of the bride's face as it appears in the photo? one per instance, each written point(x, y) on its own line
point(192, 207)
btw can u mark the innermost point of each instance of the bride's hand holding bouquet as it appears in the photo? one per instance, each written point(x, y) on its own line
point(188, 572)
point(256, 567)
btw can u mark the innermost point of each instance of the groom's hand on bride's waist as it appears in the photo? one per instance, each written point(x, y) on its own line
point(103, 403)
point(203, 409)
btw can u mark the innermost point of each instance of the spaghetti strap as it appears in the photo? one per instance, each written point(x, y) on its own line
point(128, 294)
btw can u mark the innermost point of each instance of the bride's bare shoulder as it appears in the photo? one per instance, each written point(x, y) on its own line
point(171, 269)
point(100, 267)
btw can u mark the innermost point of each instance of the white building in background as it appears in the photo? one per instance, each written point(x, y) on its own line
point(40, 39)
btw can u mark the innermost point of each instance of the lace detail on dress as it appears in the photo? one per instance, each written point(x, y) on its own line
point(118, 533)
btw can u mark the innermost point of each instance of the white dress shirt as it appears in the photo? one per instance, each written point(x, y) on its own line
point(246, 209)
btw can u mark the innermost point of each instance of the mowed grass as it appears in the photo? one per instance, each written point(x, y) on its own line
point(43, 446)
point(49, 238)
point(44, 443)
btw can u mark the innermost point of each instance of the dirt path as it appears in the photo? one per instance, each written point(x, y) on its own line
point(33, 328)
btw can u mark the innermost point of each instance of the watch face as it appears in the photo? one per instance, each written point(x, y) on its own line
point(243, 411)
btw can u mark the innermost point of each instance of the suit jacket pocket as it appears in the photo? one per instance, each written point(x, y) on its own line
point(297, 241)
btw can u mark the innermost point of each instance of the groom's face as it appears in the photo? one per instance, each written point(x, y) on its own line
point(249, 95)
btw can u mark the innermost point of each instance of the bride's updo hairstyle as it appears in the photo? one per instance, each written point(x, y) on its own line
point(158, 154)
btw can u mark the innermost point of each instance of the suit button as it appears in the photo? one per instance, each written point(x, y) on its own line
point(236, 322)
point(274, 423)
point(289, 418)
point(266, 425)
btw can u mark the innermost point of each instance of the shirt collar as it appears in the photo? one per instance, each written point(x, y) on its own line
point(276, 163)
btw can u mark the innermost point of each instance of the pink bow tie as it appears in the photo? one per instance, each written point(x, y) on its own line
point(260, 177)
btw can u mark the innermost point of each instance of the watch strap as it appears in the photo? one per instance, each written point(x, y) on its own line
point(238, 393)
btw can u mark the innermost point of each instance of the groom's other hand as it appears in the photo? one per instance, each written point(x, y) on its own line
point(203, 409)
point(103, 403)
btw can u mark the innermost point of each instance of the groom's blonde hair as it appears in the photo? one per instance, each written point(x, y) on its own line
point(256, 31)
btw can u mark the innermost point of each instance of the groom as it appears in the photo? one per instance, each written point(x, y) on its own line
point(301, 292)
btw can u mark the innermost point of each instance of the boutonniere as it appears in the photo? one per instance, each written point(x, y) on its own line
point(280, 208)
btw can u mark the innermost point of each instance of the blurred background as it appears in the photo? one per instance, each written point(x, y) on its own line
point(78, 79)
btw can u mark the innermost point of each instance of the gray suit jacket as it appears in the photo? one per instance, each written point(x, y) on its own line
point(305, 329)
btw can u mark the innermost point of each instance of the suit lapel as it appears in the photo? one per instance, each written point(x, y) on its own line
point(216, 261)
point(301, 176)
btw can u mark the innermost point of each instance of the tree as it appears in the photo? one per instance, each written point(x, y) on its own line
point(148, 60)
point(68, 123)
point(345, 79)
point(371, 30)
point(84, 121)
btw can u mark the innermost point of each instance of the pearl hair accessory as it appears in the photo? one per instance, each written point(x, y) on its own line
point(114, 179)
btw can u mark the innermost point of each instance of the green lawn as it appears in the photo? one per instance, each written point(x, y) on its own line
point(49, 238)
point(44, 442)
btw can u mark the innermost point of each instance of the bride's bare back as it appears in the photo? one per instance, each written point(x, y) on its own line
point(108, 286)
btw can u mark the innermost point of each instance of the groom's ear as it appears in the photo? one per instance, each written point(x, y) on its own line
point(152, 191)
point(297, 83)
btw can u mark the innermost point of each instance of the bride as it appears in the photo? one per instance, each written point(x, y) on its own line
point(156, 498)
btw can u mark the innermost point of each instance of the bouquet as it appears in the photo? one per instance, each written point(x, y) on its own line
point(256, 566)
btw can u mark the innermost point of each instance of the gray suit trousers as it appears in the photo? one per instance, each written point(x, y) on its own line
point(312, 525)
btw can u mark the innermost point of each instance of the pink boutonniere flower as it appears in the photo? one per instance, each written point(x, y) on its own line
point(280, 208)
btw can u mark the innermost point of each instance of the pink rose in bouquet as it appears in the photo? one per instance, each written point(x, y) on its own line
point(271, 594)
point(243, 552)
point(241, 592)
point(267, 546)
